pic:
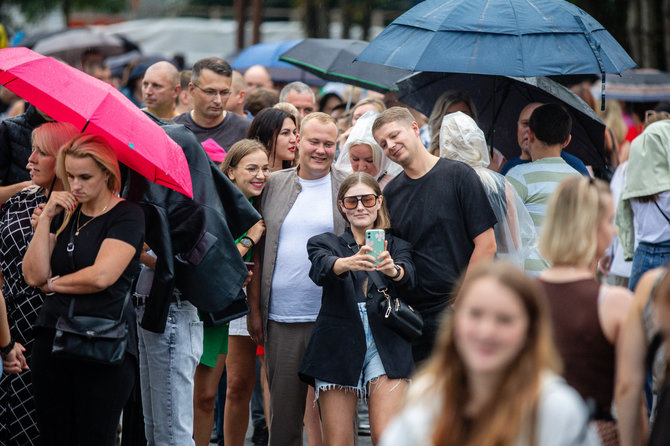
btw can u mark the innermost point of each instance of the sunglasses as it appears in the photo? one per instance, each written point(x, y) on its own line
point(351, 202)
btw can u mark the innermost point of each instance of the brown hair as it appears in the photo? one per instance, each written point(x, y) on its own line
point(238, 151)
point(446, 100)
point(574, 211)
point(392, 114)
point(383, 220)
point(96, 148)
point(514, 401)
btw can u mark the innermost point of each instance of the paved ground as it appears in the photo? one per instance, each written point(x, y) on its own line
point(362, 440)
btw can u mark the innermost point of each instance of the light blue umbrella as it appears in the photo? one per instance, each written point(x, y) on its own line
point(267, 54)
point(502, 37)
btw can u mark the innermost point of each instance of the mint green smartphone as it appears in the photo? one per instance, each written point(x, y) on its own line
point(374, 238)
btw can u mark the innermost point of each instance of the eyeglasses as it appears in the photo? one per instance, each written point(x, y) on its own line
point(253, 171)
point(212, 93)
point(368, 201)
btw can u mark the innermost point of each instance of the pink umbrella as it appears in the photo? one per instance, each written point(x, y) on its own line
point(69, 95)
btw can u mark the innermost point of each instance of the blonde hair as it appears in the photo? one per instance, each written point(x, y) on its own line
point(290, 109)
point(51, 136)
point(574, 211)
point(322, 118)
point(96, 148)
point(383, 220)
point(511, 409)
point(370, 101)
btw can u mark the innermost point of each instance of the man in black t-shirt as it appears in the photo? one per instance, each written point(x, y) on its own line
point(440, 206)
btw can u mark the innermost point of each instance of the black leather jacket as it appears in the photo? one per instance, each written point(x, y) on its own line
point(194, 239)
point(16, 145)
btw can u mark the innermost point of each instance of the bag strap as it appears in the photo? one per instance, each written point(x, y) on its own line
point(70, 256)
point(375, 276)
point(661, 211)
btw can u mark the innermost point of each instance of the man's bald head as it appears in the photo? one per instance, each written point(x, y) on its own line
point(258, 76)
point(160, 88)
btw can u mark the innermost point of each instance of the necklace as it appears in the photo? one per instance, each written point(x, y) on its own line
point(79, 228)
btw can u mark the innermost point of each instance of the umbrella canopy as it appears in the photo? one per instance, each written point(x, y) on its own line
point(643, 85)
point(92, 106)
point(333, 60)
point(267, 54)
point(70, 45)
point(504, 37)
point(500, 99)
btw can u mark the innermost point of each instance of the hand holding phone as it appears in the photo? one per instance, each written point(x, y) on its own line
point(375, 238)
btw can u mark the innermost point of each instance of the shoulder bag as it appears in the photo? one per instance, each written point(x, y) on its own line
point(398, 315)
point(90, 338)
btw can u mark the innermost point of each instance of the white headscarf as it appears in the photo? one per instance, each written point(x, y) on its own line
point(361, 133)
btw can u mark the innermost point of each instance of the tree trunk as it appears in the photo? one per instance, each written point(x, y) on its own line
point(316, 19)
point(633, 30)
point(665, 19)
point(66, 7)
point(241, 19)
point(257, 14)
point(366, 22)
point(648, 28)
point(347, 10)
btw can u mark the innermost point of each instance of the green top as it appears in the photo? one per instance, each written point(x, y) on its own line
point(648, 173)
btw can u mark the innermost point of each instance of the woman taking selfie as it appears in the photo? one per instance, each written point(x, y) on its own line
point(85, 252)
point(276, 130)
point(352, 352)
point(492, 377)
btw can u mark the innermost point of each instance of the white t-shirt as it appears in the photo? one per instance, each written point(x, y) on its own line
point(650, 225)
point(294, 297)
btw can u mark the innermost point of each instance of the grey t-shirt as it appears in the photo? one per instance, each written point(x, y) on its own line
point(228, 132)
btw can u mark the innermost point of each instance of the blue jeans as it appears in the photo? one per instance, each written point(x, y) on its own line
point(648, 256)
point(167, 366)
point(372, 364)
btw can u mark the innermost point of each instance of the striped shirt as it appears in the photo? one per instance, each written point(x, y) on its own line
point(535, 182)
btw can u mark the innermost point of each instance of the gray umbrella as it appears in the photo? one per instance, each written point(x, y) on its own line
point(333, 60)
point(500, 99)
point(71, 44)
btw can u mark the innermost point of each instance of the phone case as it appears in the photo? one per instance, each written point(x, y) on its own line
point(374, 238)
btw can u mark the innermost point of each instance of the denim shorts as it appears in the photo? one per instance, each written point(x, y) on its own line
point(372, 364)
point(648, 256)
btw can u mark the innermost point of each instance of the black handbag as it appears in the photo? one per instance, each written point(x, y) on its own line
point(398, 315)
point(90, 338)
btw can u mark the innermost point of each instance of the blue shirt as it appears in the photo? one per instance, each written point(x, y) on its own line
point(572, 160)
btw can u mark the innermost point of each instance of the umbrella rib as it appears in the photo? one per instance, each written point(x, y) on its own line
point(85, 125)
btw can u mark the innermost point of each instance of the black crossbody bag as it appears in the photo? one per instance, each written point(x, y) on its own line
point(90, 338)
point(398, 315)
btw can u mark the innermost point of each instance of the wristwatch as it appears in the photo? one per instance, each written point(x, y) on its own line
point(397, 272)
point(8, 348)
point(247, 242)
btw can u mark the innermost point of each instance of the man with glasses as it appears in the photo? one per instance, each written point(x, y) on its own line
point(296, 204)
point(210, 88)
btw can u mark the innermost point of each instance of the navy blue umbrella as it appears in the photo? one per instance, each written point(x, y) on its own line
point(503, 37)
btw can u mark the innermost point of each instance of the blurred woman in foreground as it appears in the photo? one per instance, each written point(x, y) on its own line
point(492, 377)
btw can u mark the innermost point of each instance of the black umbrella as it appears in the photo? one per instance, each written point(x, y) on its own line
point(500, 99)
point(333, 60)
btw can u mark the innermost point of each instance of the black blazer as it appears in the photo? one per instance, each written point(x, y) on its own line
point(337, 347)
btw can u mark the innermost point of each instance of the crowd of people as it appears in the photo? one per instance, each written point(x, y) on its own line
point(542, 290)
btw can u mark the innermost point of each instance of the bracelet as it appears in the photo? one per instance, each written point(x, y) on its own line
point(50, 283)
point(8, 348)
point(397, 272)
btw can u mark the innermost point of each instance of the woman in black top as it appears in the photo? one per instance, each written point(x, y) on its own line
point(88, 253)
point(352, 352)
